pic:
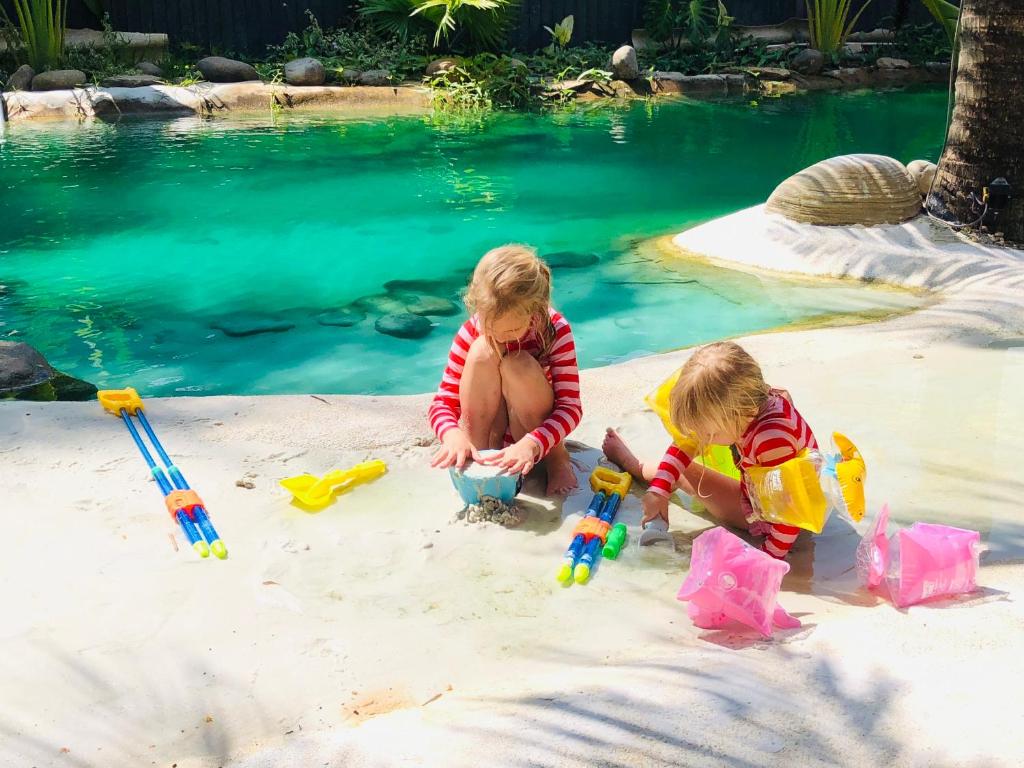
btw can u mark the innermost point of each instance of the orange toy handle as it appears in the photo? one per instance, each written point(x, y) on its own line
point(183, 500)
point(591, 527)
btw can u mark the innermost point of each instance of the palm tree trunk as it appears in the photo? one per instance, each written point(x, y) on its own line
point(985, 139)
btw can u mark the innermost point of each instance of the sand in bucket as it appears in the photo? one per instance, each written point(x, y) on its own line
point(489, 494)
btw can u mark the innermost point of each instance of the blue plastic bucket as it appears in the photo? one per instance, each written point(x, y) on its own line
point(473, 487)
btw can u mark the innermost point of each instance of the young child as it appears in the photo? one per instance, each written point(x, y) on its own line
point(512, 381)
point(721, 398)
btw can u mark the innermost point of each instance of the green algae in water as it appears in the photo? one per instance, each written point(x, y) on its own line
point(128, 248)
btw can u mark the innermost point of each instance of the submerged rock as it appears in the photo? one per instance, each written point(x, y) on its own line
point(380, 304)
point(403, 325)
point(345, 317)
point(242, 325)
point(432, 305)
point(570, 259)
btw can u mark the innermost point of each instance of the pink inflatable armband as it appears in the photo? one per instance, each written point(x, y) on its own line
point(730, 580)
point(927, 561)
point(873, 550)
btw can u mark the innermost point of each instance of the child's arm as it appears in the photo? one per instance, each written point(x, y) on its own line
point(672, 466)
point(565, 381)
point(445, 409)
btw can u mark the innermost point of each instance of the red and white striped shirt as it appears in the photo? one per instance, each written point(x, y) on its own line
point(559, 364)
point(777, 434)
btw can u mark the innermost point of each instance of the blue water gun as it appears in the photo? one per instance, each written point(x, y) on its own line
point(591, 533)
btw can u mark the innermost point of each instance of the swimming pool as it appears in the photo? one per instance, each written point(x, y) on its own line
point(146, 253)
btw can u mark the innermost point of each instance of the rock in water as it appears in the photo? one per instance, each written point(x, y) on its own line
point(240, 326)
point(403, 325)
point(345, 317)
point(217, 69)
point(570, 259)
point(849, 189)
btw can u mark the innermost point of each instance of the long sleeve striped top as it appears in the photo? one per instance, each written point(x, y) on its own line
point(776, 435)
point(559, 365)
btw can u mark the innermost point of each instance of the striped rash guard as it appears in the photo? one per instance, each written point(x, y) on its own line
point(776, 435)
point(559, 365)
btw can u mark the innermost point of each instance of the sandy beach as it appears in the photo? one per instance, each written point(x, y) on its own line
point(383, 632)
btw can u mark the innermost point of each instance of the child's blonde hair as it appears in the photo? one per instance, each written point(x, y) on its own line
point(512, 278)
point(720, 388)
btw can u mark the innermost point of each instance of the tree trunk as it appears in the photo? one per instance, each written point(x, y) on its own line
point(986, 134)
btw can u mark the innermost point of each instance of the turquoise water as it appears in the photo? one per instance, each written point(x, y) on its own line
point(123, 247)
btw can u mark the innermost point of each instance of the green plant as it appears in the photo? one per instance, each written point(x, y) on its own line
point(40, 30)
point(561, 34)
point(830, 23)
point(99, 62)
point(483, 82)
point(946, 14)
point(482, 23)
point(700, 20)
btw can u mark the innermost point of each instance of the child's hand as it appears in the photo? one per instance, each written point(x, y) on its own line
point(655, 506)
point(518, 457)
point(455, 450)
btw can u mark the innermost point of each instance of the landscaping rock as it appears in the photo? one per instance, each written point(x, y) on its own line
point(345, 317)
point(69, 389)
point(889, 63)
point(773, 74)
point(21, 80)
point(624, 64)
point(432, 305)
point(439, 66)
point(306, 71)
point(850, 75)
point(242, 325)
point(149, 68)
point(937, 68)
point(217, 69)
point(21, 367)
point(677, 82)
point(350, 75)
point(404, 325)
point(378, 77)
point(570, 259)
point(923, 172)
point(808, 62)
point(736, 83)
point(59, 80)
point(131, 81)
point(850, 189)
point(874, 36)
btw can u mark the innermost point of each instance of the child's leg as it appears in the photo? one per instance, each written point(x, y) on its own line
point(484, 416)
point(530, 400)
point(719, 493)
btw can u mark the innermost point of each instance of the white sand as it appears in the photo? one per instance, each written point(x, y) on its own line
point(378, 633)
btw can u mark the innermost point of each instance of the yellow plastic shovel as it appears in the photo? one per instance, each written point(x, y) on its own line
point(313, 491)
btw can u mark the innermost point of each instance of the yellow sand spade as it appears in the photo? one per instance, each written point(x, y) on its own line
point(313, 491)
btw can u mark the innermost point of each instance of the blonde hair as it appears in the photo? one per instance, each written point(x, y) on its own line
point(720, 388)
point(511, 278)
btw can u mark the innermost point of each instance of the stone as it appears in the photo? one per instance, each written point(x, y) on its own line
point(773, 74)
point(440, 66)
point(808, 62)
point(149, 68)
point(59, 80)
point(380, 304)
point(218, 69)
point(423, 286)
point(69, 389)
point(345, 317)
point(937, 68)
point(403, 325)
point(886, 62)
point(624, 64)
point(874, 36)
point(22, 366)
point(377, 77)
point(570, 259)
point(853, 49)
point(738, 83)
point(306, 71)
point(131, 81)
point(432, 305)
point(350, 75)
point(245, 324)
point(677, 82)
point(849, 189)
point(923, 172)
point(21, 79)
point(851, 75)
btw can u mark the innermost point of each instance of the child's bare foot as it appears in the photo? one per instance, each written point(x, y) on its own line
point(561, 477)
point(615, 448)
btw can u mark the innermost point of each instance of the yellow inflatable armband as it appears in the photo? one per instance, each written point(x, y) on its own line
point(790, 493)
point(851, 472)
point(657, 401)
